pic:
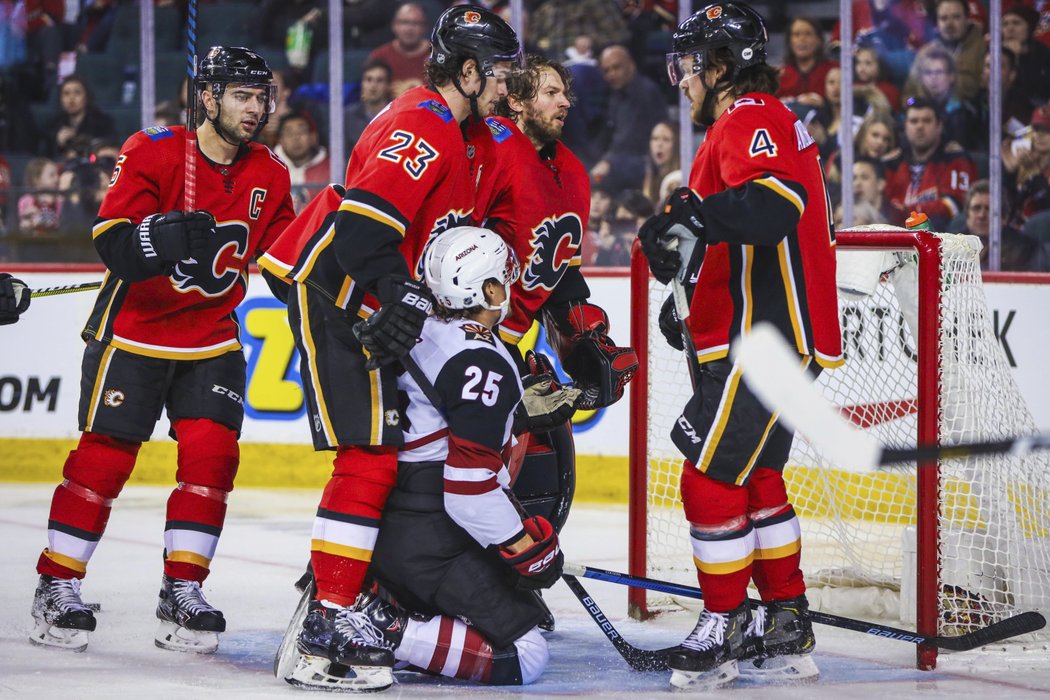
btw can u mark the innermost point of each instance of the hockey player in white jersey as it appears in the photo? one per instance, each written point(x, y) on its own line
point(452, 545)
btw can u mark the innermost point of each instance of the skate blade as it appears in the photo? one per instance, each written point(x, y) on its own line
point(703, 681)
point(175, 637)
point(46, 635)
point(796, 668)
point(287, 654)
point(318, 673)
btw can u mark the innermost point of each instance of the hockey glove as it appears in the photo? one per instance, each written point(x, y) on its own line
point(656, 241)
point(14, 298)
point(393, 331)
point(540, 565)
point(599, 368)
point(670, 325)
point(175, 236)
point(543, 406)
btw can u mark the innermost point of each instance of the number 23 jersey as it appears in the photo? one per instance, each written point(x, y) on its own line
point(188, 313)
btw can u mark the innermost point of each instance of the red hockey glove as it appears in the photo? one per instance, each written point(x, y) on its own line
point(540, 565)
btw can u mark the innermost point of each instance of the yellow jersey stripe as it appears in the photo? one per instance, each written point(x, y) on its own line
point(68, 562)
point(100, 380)
point(758, 450)
point(721, 418)
point(794, 310)
point(311, 358)
point(166, 353)
point(728, 567)
point(373, 213)
point(103, 226)
point(784, 191)
point(341, 550)
point(780, 552)
point(185, 557)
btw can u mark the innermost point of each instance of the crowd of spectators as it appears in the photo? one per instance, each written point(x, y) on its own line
point(920, 103)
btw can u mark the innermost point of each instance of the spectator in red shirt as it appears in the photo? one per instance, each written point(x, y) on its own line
point(868, 71)
point(299, 146)
point(927, 175)
point(408, 50)
point(805, 67)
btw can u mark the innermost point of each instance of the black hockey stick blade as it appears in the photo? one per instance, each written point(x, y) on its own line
point(1022, 623)
point(637, 659)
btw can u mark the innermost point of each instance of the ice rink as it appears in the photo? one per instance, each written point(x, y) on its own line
point(264, 549)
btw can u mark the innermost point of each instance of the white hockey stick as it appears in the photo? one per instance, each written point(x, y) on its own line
point(775, 375)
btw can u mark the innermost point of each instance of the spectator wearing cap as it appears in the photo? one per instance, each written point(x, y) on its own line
point(927, 174)
point(1033, 58)
point(1029, 161)
point(408, 50)
point(298, 145)
point(1019, 252)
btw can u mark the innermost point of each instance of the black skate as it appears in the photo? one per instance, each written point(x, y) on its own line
point(188, 622)
point(304, 662)
point(782, 642)
point(707, 659)
point(62, 618)
point(364, 641)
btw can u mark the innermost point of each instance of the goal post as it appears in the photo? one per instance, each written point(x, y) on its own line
point(948, 546)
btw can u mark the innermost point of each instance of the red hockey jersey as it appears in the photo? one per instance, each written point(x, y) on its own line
point(408, 178)
point(758, 160)
point(188, 314)
point(539, 202)
point(937, 187)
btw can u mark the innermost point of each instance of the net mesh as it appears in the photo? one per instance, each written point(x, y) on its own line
point(858, 526)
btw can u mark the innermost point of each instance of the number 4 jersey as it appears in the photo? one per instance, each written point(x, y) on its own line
point(189, 312)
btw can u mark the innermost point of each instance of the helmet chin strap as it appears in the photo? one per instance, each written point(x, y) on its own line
point(475, 111)
point(707, 107)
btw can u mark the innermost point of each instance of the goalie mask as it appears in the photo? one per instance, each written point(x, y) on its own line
point(458, 262)
point(225, 65)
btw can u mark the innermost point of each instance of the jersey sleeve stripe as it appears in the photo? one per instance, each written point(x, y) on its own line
point(784, 191)
point(471, 455)
point(364, 203)
point(272, 264)
point(103, 226)
point(471, 488)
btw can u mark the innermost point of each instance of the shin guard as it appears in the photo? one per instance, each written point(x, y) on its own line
point(94, 475)
point(347, 522)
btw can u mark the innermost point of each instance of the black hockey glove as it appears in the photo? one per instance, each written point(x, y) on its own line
point(175, 236)
point(540, 565)
point(664, 235)
point(670, 325)
point(663, 261)
point(14, 298)
point(545, 405)
point(393, 331)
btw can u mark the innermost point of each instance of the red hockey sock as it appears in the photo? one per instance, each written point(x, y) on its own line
point(208, 460)
point(778, 547)
point(723, 538)
point(94, 474)
point(347, 521)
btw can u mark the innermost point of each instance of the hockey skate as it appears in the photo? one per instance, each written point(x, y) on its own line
point(365, 638)
point(188, 622)
point(62, 618)
point(782, 643)
point(707, 659)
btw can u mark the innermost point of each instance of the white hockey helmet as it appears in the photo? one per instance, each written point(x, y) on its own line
point(457, 263)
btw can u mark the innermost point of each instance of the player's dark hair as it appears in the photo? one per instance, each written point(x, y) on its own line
point(442, 74)
point(524, 84)
point(447, 314)
point(760, 77)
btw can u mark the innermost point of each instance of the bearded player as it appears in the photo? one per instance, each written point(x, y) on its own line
point(356, 254)
point(758, 210)
point(164, 335)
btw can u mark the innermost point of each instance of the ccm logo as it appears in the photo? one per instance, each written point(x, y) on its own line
point(223, 391)
point(545, 562)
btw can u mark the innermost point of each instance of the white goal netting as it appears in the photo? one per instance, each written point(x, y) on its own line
point(992, 514)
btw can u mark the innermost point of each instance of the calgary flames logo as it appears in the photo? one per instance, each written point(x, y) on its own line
point(221, 269)
point(553, 244)
point(714, 12)
point(472, 17)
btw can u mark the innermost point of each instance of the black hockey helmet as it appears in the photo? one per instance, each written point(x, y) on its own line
point(733, 25)
point(467, 31)
point(223, 65)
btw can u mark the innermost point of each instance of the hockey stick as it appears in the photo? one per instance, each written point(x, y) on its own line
point(189, 192)
point(637, 659)
point(64, 289)
point(685, 243)
point(774, 374)
point(996, 632)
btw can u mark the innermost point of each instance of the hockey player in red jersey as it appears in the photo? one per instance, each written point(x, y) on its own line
point(163, 335)
point(452, 547)
point(409, 178)
point(757, 208)
point(536, 194)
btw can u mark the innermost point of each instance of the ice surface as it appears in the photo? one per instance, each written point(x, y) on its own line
point(264, 549)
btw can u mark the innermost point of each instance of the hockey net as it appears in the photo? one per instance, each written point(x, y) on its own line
point(947, 547)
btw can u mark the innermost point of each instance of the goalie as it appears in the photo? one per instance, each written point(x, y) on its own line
point(452, 546)
point(758, 212)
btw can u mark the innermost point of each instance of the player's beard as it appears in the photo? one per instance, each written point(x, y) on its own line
point(538, 129)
